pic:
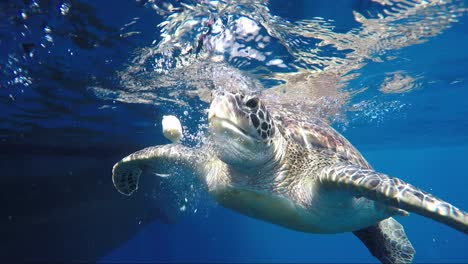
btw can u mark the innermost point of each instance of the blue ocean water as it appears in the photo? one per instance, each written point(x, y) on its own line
point(59, 139)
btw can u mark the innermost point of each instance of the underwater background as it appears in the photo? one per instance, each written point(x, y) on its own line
point(85, 83)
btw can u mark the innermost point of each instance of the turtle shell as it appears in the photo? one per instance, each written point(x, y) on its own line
point(316, 133)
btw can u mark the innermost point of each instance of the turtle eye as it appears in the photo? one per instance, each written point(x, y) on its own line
point(252, 103)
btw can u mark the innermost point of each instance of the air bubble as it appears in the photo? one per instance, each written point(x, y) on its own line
point(65, 8)
point(49, 38)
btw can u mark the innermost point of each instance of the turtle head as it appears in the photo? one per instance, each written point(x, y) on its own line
point(242, 129)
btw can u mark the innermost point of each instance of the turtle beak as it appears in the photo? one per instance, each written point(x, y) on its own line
point(211, 114)
point(221, 107)
point(223, 117)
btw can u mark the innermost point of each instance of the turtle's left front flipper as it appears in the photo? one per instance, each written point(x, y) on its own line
point(165, 160)
point(393, 192)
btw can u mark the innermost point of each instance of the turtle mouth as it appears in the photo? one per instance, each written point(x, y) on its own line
point(219, 123)
point(226, 121)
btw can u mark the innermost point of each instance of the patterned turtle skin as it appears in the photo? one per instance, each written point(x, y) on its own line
point(295, 172)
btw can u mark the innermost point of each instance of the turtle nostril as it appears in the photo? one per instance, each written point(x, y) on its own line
point(252, 102)
point(216, 92)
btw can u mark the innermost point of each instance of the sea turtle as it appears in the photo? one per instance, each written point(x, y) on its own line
point(299, 174)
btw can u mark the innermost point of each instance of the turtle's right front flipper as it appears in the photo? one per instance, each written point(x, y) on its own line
point(393, 192)
point(163, 160)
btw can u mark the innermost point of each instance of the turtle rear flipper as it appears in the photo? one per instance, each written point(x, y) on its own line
point(393, 192)
point(163, 160)
point(387, 242)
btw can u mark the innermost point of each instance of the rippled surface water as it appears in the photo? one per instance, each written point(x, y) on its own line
point(84, 83)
